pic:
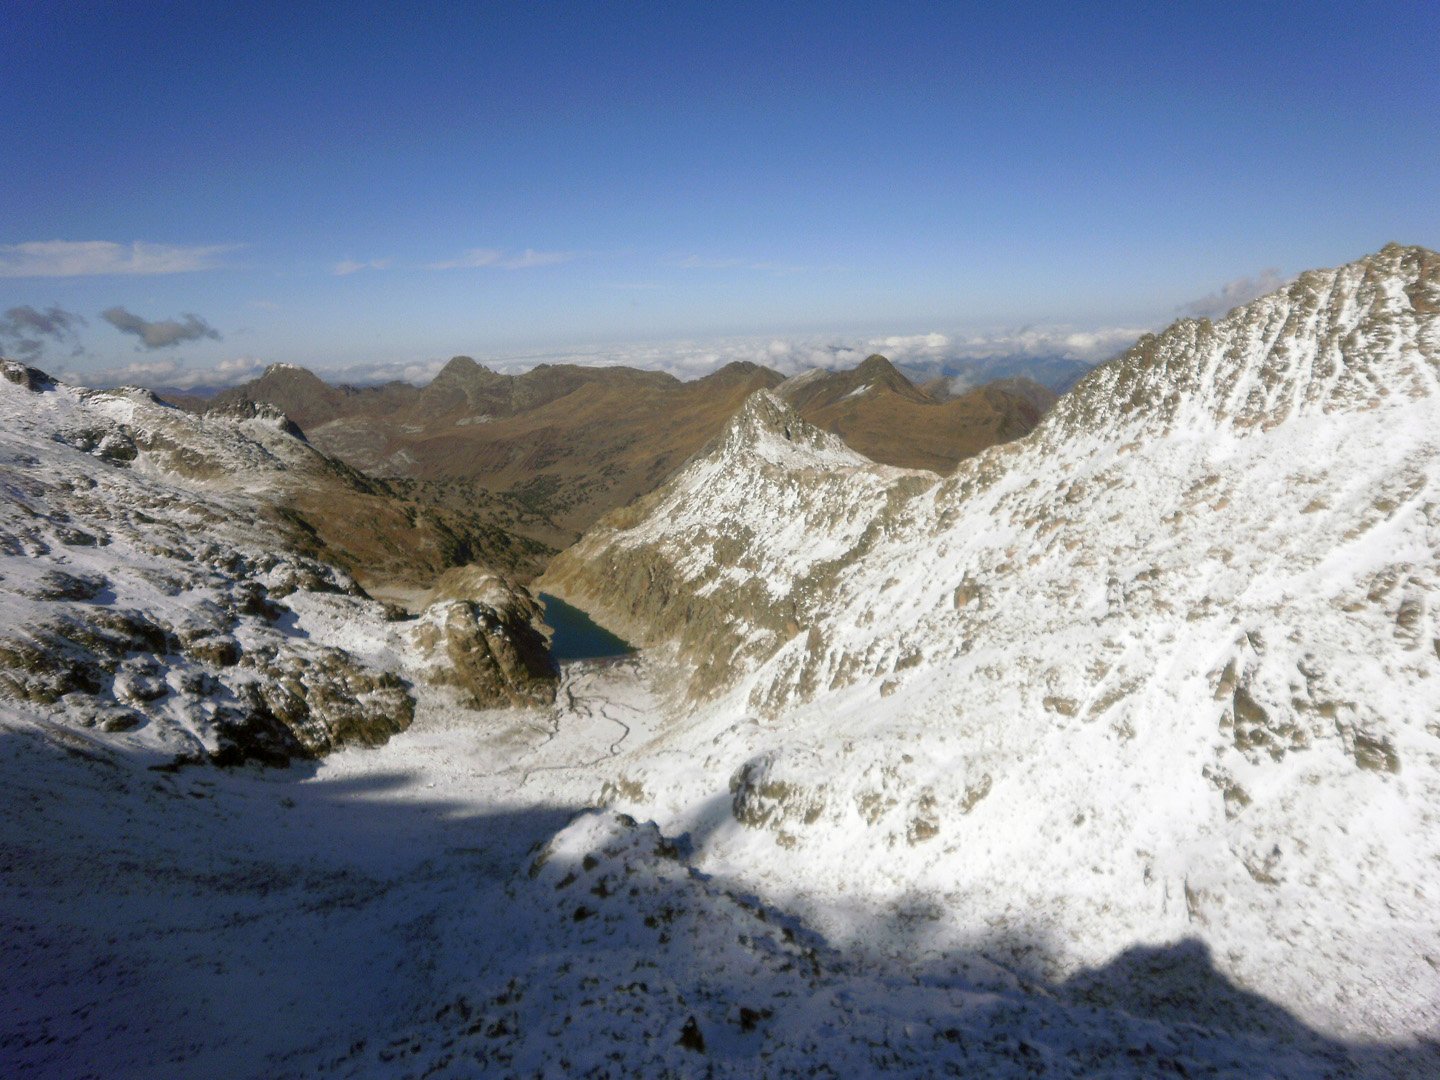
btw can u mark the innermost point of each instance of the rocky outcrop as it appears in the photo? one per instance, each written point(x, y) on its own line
point(478, 635)
point(159, 588)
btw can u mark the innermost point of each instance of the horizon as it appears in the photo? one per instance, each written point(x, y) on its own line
point(368, 195)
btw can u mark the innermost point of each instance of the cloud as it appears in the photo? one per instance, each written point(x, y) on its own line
point(1234, 293)
point(471, 259)
point(529, 258)
point(496, 257)
point(173, 373)
point(1061, 342)
point(161, 334)
point(791, 356)
point(702, 262)
point(952, 355)
point(350, 266)
point(26, 332)
point(77, 258)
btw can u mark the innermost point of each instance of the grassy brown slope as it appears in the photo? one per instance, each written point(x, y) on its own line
point(540, 455)
point(880, 413)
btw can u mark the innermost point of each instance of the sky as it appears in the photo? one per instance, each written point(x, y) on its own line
point(191, 193)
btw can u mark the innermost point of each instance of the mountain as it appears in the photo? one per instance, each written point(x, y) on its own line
point(1163, 670)
point(542, 454)
point(876, 410)
point(1041, 397)
point(1112, 754)
point(170, 583)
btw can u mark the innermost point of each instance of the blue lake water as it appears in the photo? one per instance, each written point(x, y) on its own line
point(577, 636)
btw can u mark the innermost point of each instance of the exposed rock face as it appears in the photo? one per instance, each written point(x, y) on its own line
point(478, 634)
point(1162, 668)
point(158, 587)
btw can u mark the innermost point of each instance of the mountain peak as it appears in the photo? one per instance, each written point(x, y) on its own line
point(31, 378)
point(1337, 340)
point(876, 364)
point(462, 367)
point(739, 371)
point(293, 373)
point(768, 427)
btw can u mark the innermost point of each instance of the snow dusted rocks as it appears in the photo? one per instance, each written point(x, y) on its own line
point(153, 588)
point(734, 556)
point(477, 634)
point(1168, 668)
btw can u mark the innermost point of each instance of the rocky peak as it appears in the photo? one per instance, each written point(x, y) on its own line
point(1333, 340)
point(260, 410)
point(30, 378)
point(767, 427)
point(741, 371)
point(462, 369)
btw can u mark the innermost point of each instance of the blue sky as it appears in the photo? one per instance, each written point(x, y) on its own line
point(380, 187)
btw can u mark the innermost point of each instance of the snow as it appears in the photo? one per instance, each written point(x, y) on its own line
point(1116, 753)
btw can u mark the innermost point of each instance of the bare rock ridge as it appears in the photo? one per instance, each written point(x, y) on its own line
point(543, 454)
point(1178, 647)
point(171, 589)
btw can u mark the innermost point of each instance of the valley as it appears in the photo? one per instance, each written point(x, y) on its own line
point(975, 736)
point(526, 463)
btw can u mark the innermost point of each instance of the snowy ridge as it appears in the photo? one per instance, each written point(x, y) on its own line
point(1167, 668)
point(154, 594)
point(754, 527)
point(1114, 754)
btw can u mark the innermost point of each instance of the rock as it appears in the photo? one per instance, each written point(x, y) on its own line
point(493, 656)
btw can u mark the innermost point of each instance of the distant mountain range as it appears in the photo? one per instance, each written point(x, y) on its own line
point(547, 452)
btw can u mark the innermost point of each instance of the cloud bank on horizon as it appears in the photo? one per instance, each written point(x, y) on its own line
point(32, 333)
point(683, 359)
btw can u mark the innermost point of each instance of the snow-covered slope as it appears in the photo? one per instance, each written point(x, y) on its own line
point(1168, 668)
point(153, 589)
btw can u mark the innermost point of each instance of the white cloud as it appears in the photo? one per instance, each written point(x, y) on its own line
point(172, 373)
point(529, 258)
point(703, 262)
point(693, 359)
point(1234, 293)
point(346, 267)
point(1065, 342)
point(476, 258)
point(77, 258)
point(910, 344)
point(790, 356)
point(471, 259)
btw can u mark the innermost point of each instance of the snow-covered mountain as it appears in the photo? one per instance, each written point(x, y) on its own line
point(1115, 753)
point(158, 591)
point(1168, 668)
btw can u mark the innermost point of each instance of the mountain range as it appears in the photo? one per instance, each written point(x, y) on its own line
point(544, 453)
point(1107, 749)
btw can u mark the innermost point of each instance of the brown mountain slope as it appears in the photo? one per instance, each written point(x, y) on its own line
point(880, 413)
point(541, 454)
